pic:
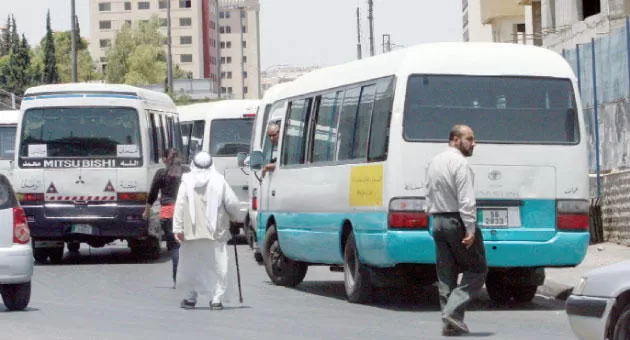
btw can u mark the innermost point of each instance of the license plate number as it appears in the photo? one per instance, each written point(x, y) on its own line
point(493, 217)
point(82, 229)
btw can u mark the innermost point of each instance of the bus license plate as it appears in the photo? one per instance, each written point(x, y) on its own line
point(82, 229)
point(494, 218)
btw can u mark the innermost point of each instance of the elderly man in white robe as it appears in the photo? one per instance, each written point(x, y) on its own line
point(201, 223)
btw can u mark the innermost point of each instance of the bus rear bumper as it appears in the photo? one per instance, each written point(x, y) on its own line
point(565, 249)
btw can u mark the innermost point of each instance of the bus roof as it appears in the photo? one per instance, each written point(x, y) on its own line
point(98, 90)
point(9, 117)
point(275, 92)
point(237, 108)
point(457, 58)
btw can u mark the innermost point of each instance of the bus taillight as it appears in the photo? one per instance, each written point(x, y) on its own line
point(572, 215)
point(408, 213)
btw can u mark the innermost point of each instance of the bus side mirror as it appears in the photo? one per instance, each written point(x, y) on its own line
point(256, 160)
point(240, 159)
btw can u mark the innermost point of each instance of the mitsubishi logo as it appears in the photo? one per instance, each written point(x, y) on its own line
point(494, 175)
point(79, 180)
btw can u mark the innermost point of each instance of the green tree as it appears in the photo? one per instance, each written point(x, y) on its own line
point(137, 56)
point(5, 41)
point(63, 57)
point(81, 43)
point(50, 62)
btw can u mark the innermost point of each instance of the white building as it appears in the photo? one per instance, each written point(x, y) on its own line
point(277, 74)
point(472, 27)
point(567, 23)
point(239, 33)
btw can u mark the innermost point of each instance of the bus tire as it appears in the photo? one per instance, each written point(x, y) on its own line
point(282, 270)
point(357, 279)
point(497, 289)
point(40, 255)
point(55, 254)
point(523, 294)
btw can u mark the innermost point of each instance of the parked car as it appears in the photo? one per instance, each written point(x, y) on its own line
point(16, 252)
point(599, 306)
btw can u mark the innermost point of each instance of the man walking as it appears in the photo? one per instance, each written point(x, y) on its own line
point(201, 223)
point(458, 241)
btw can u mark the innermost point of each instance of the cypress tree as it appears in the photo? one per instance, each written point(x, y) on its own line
point(50, 62)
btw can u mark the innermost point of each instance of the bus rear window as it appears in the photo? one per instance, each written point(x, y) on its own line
point(7, 142)
point(80, 131)
point(510, 110)
point(230, 136)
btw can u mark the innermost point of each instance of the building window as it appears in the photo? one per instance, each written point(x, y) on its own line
point(221, 29)
point(185, 40)
point(185, 3)
point(590, 8)
point(223, 90)
point(104, 6)
point(229, 75)
point(244, 28)
point(229, 60)
point(144, 5)
point(228, 44)
point(105, 25)
point(222, 75)
point(186, 58)
point(163, 22)
point(185, 22)
point(223, 44)
point(244, 44)
point(243, 14)
point(221, 15)
point(227, 14)
point(104, 43)
point(228, 29)
point(244, 74)
point(245, 90)
point(229, 90)
point(127, 5)
point(128, 22)
point(162, 4)
point(244, 59)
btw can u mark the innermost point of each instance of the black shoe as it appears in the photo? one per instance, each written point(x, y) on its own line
point(216, 306)
point(455, 324)
point(448, 330)
point(186, 304)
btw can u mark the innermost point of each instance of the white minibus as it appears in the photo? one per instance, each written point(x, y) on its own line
point(259, 135)
point(8, 126)
point(224, 129)
point(348, 188)
point(86, 157)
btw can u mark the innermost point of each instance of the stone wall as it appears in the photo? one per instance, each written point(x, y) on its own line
point(615, 205)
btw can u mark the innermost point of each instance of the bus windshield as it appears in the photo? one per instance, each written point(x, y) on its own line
point(230, 136)
point(500, 109)
point(80, 131)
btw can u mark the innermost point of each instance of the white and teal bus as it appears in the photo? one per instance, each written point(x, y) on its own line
point(8, 127)
point(356, 140)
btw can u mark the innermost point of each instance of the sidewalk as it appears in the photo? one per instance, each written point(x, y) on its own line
point(560, 281)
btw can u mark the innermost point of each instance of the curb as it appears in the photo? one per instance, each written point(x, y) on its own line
point(555, 290)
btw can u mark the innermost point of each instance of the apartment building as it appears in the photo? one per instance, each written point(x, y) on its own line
point(193, 25)
point(239, 42)
point(472, 27)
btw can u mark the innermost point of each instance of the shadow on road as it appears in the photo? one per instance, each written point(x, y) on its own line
point(421, 299)
point(106, 255)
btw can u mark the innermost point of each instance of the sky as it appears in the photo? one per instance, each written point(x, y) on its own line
point(293, 32)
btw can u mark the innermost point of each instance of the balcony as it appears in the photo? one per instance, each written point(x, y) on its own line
point(494, 9)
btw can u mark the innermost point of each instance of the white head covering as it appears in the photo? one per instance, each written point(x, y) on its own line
point(201, 173)
point(200, 169)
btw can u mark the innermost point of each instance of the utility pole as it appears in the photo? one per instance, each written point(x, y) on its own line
point(13, 101)
point(371, 21)
point(387, 43)
point(74, 40)
point(358, 33)
point(169, 48)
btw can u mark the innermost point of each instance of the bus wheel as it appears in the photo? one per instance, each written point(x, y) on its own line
point(357, 280)
point(56, 254)
point(523, 294)
point(281, 270)
point(497, 289)
point(40, 254)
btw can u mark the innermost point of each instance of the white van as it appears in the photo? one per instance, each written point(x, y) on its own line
point(224, 129)
point(259, 135)
point(87, 156)
point(8, 126)
point(348, 188)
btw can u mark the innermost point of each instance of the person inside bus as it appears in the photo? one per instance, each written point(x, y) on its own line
point(458, 241)
point(166, 183)
point(274, 134)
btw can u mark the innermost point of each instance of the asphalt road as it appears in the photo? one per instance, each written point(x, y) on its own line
point(107, 294)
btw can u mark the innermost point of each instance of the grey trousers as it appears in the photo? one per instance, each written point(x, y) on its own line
point(452, 258)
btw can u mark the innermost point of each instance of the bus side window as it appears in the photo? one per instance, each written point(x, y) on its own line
point(158, 137)
point(186, 129)
point(155, 145)
point(166, 137)
point(379, 131)
point(324, 133)
point(196, 137)
point(347, 123)
point(295, 133)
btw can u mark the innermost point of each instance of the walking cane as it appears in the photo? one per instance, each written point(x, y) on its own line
point(238, 272)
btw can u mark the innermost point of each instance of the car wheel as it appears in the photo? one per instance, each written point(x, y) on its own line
point(16, 296)
point(357, 280)
point(622, 327)
point(282, 270)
